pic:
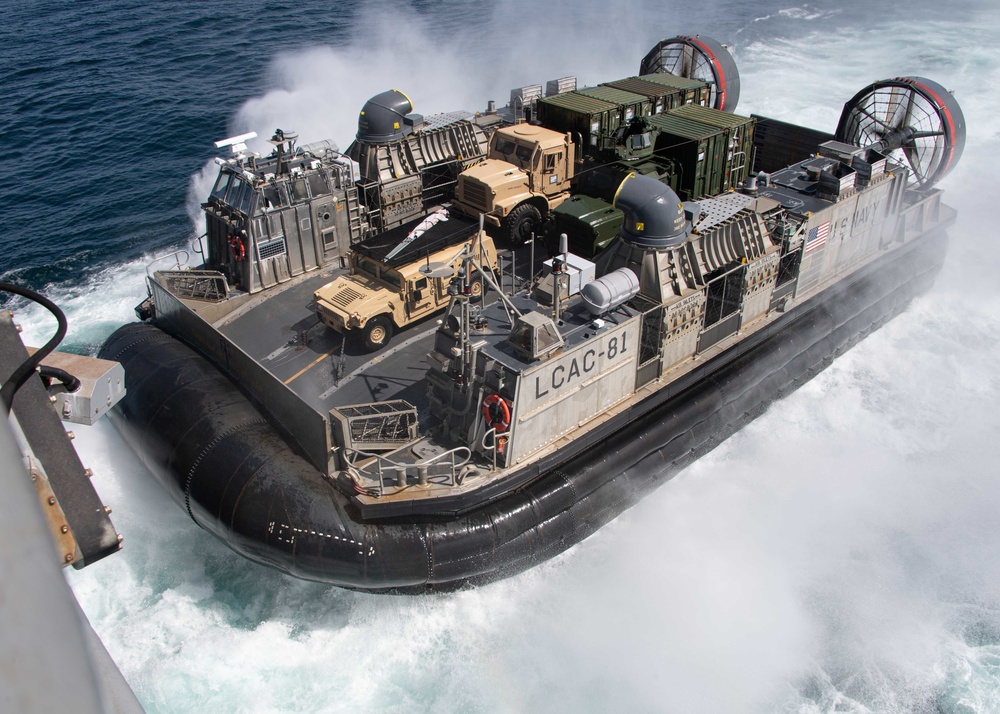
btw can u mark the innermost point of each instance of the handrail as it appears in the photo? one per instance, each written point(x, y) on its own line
point(197, 246)
point(402, 469)
point(176, 255)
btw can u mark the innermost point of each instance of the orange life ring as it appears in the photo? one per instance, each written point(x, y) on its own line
point(496, 413)
point(236, 245)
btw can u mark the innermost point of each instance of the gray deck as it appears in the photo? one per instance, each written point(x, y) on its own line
point(284, 335)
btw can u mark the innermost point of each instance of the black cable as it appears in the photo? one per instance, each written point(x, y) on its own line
point(25, 370)
point(69, 381)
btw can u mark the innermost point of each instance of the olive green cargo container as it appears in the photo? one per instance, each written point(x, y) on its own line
point(587, 119)
point(663, 97)
point(698, 149)
point(695, 91)
point(631, 105)
point(739, 131)
point(589, 224)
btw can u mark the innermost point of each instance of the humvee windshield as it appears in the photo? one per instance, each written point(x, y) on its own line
point(367, 266)
point(392, 277)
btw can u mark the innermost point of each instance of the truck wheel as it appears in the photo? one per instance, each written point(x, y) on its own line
point(522, 222)
point(476, 287)
point(376, 333)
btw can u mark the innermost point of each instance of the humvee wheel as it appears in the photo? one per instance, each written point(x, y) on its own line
point(521, 223)
point(476, 287)
point(376, 333)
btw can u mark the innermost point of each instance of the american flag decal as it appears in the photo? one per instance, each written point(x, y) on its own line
point(817, 236)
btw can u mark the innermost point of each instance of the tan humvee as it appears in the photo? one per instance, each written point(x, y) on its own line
point(388, 288)
point(526, 174)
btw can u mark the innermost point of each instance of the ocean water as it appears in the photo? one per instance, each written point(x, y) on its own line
point(840, 554)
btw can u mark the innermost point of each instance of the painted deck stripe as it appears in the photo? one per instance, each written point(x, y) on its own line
point(307, 367)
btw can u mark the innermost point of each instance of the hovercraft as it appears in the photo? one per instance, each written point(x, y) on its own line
point(515, 402)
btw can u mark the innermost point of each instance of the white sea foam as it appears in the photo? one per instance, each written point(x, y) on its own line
point(839, 554)
point(319, 92)
point(94, 307)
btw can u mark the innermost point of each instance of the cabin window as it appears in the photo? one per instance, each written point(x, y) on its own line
point(392, 277)
point(523, 154)
point(641, 141)
point(420, 284)
point(232, 191)
point(240, 195)
point(329, 239)
point(272, 199)
point(505, 146)
point(221, 184)
point(366, 266)
point(552, 162)
point(271, 248)
point(246, 199)
point(521, 337)
point(546, 338)
point(317, 185)
point(299, 192)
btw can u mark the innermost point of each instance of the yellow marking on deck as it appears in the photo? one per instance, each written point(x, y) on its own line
point(307, 367)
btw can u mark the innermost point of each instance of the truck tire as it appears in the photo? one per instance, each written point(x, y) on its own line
point(376, 333)
point(521, 223)
point(477, 287)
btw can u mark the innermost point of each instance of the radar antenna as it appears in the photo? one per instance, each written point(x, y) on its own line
point(279, 140)
point(915, 121)
point(238, 146)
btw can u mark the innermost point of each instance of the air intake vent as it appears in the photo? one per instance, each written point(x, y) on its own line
point(345, 297)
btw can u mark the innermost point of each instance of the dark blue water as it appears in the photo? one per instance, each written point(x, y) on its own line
point(109, 107)
point(838, 555)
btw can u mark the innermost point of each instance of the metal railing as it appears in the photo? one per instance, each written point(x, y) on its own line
point(444, 469)
point(204, 285)
point(178, 260)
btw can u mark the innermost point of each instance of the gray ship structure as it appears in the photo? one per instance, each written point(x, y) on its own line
point(474, 338)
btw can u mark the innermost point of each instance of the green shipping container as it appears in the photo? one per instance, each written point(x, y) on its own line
point(694, 91)
point(662, 97)
point(738, 130)
point(631, 105)
point(698, 149)
point(585, 118)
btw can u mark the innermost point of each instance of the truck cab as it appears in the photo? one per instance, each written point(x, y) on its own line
point(403, 275)
point(526, 174)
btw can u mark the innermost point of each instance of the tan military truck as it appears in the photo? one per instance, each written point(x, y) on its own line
point(526, 174)
point(403, 275)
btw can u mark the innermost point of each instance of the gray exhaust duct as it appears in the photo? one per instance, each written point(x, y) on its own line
point(654, 215)
point(381, 118)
